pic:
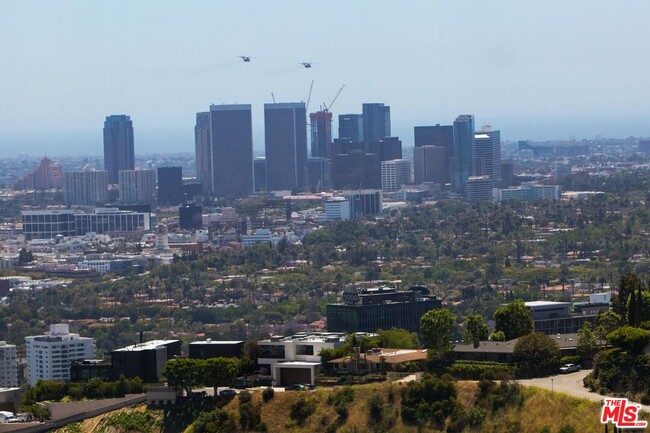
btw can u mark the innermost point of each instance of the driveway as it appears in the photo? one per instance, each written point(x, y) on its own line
point(570, 384)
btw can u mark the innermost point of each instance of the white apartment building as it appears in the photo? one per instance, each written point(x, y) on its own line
point(137, 186)
point(337, 209)
point(8, 366)
point(261, 236)
point(49, 356)
point(395, 173)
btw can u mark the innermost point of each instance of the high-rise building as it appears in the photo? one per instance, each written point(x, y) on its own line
point(364, 202)
point(86, 187)
point(49, 356)
point(231, 134)
point(479, 188)
point(463, 159)
point(190, 216)
point(319, 174)
point(487, 151)
point(395, 173)
point(369, 310)
point(338, 208)
point(285, 133)
point(137, 186)
point(8, 366)
point(376, 122)
point(259, 174)
point(507, 173)
point(48, 175)
point(429, 164)
point(202, 151)
point(351, 127)
point(438, 135)
point(119, 153)
point(321, 133)
point(387, 148)
point(356, 170)
point(170, 186)
point(343, 146)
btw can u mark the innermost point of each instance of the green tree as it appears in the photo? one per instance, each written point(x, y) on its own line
point(497, 336)
point(437, 328)
point(475, 328)
point(25, 256)
point(634, 340)
point(185, 373)
point(536, 354)
point(607, 322)
point(396, 338)
point(587, 341)
point(514, 319)
point(219, 371)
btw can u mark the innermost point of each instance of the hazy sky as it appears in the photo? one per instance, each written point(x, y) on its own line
point(535, 70)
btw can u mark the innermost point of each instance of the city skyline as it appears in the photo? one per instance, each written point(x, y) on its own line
point(549, 72)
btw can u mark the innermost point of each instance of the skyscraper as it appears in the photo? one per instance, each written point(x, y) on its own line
point(170, 186)
point(438, 135)
point(285, 133)
point(463, 159)
point(259, 174)
point(429, 164)
point(351, 127)
point(487, 150)
point(231, 135)
point(395, 173)
point(321, 133)
point(376, 122)
point(119, 152)
point(202, 151)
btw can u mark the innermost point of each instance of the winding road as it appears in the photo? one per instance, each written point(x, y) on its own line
point(570, 384)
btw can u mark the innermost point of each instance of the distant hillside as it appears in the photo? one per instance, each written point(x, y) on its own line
point(375, 408)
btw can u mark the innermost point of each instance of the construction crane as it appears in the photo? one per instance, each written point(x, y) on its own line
point(326, 107)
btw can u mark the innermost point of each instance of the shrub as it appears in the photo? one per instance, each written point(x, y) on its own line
point(376, 408)
point(249, 416)
point(475, 416)
point(245, 397)
point(301, 410)
point(566, 428)
point(475, 370)
point(216, 421)
point(570, 360)
point(268, 394)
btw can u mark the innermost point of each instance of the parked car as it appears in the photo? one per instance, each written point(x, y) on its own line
point(569, 368)
point(297, 387)
point(227, 393)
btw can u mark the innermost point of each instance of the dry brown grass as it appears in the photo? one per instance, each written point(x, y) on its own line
point(541, 408)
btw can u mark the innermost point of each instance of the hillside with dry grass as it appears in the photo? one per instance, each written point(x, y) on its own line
point(371, 408)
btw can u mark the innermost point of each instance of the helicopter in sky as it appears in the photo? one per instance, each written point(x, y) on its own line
point(246, 59)
point(306, 64)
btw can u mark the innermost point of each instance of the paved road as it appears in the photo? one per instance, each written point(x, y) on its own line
point(570, 384)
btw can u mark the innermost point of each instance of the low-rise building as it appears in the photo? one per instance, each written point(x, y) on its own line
point(295, 359)
point(381, 361)
point(144, 360)
point(215, 349)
